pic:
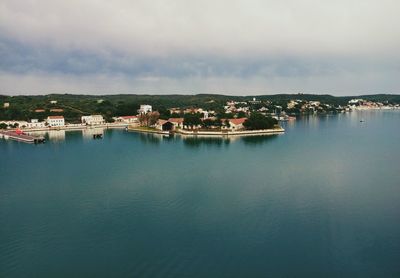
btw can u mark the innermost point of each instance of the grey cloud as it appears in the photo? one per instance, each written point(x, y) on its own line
point(211, 45)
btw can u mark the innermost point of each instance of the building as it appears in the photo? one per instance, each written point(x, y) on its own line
point(34, 123)
point(57, 110)
point(54, 121)
point(15, 124)
point(237, 124)
point(53, 101)
point(127, 119)
point(6, 105)
point(164, 125)
point(177, 122)
point(234, 124)
point(92, 120)
point(40, 110)
point(145, 108)
point(175, 111)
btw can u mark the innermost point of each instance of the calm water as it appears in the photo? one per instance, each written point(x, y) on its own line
point(321, 200)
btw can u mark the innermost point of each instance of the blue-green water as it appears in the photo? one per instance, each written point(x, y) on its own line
point(321, 200)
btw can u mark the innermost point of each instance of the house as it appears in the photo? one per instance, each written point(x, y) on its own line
point(127, 119)
point(6, 105)
point(145, 108)
point(14, 124)
point(34, 123)
point(234, 124)
point(177, 122)
point(164, 125)
point(54, 121)
point(175, 111)
point(57, 110)
point(40, 110)
point(237, 124)
point(92, 120)
point(53, 101)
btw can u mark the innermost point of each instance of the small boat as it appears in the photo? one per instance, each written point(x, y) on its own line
point(362, 120)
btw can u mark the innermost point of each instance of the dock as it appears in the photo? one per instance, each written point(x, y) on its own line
point(21, 137)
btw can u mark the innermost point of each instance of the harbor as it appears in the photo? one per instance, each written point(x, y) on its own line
point(20, 136)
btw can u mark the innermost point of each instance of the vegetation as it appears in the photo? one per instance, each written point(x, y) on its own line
point(259, 121)
point(75, 106)
point(192, 120)
point(148, 119)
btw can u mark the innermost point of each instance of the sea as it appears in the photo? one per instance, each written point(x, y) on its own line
point(320, 200)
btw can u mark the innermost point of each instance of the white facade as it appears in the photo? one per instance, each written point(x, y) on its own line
point(54, 121)
point(12, 123)
point(53, 101)
point(6, 104)
point(145, 108)
point(36, 124)
point(127, 119)
point(93, 120)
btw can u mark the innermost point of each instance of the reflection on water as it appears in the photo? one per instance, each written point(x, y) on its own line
point(258, 140)
point(195, 142)
point(56, 135)
point(150, 138)
point(89, 132)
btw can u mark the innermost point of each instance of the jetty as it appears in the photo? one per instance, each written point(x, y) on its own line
point(20, 136)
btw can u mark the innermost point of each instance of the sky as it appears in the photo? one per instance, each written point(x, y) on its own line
point(238, 47)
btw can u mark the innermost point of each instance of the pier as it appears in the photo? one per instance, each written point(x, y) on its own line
point(22, 137)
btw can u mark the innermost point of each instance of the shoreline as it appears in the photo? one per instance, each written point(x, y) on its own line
point(233, 133)
point(73, 127)
point(195, 133)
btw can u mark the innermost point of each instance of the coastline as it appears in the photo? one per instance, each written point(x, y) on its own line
point(232, 133)
point(75, 127)
point(210, 133)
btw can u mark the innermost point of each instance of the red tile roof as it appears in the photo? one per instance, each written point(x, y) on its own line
point(56, 117)
point(128, 117)
point(238, 121)
point(176, 120)
point(161, 122)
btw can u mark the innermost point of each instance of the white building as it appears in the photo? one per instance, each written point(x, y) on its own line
point(127, 119)
point(53, 101)
point(6, 104)
point(36, 124)
point(92, 120)
point(145, 108)
point(54, 121)
point(11, 124)
point(237, 124)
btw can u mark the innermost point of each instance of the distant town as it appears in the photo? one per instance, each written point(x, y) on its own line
point(209, 114)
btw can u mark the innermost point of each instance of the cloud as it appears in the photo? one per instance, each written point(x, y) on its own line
point(224, 46)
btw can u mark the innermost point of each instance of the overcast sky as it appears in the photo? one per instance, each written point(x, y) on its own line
point(339, 47)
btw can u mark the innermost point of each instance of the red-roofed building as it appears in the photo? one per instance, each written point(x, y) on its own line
point(177, 122)
point(234, 124)
point(55, 121)
point(127, 119)
point(164, 125)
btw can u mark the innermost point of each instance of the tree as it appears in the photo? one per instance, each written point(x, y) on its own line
point(241, 114)
point(192, 119)
point(148, 119)
point(143, 119)
point(3, 126)
point(227, 124)
point(153, 118)
point(259, 121)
